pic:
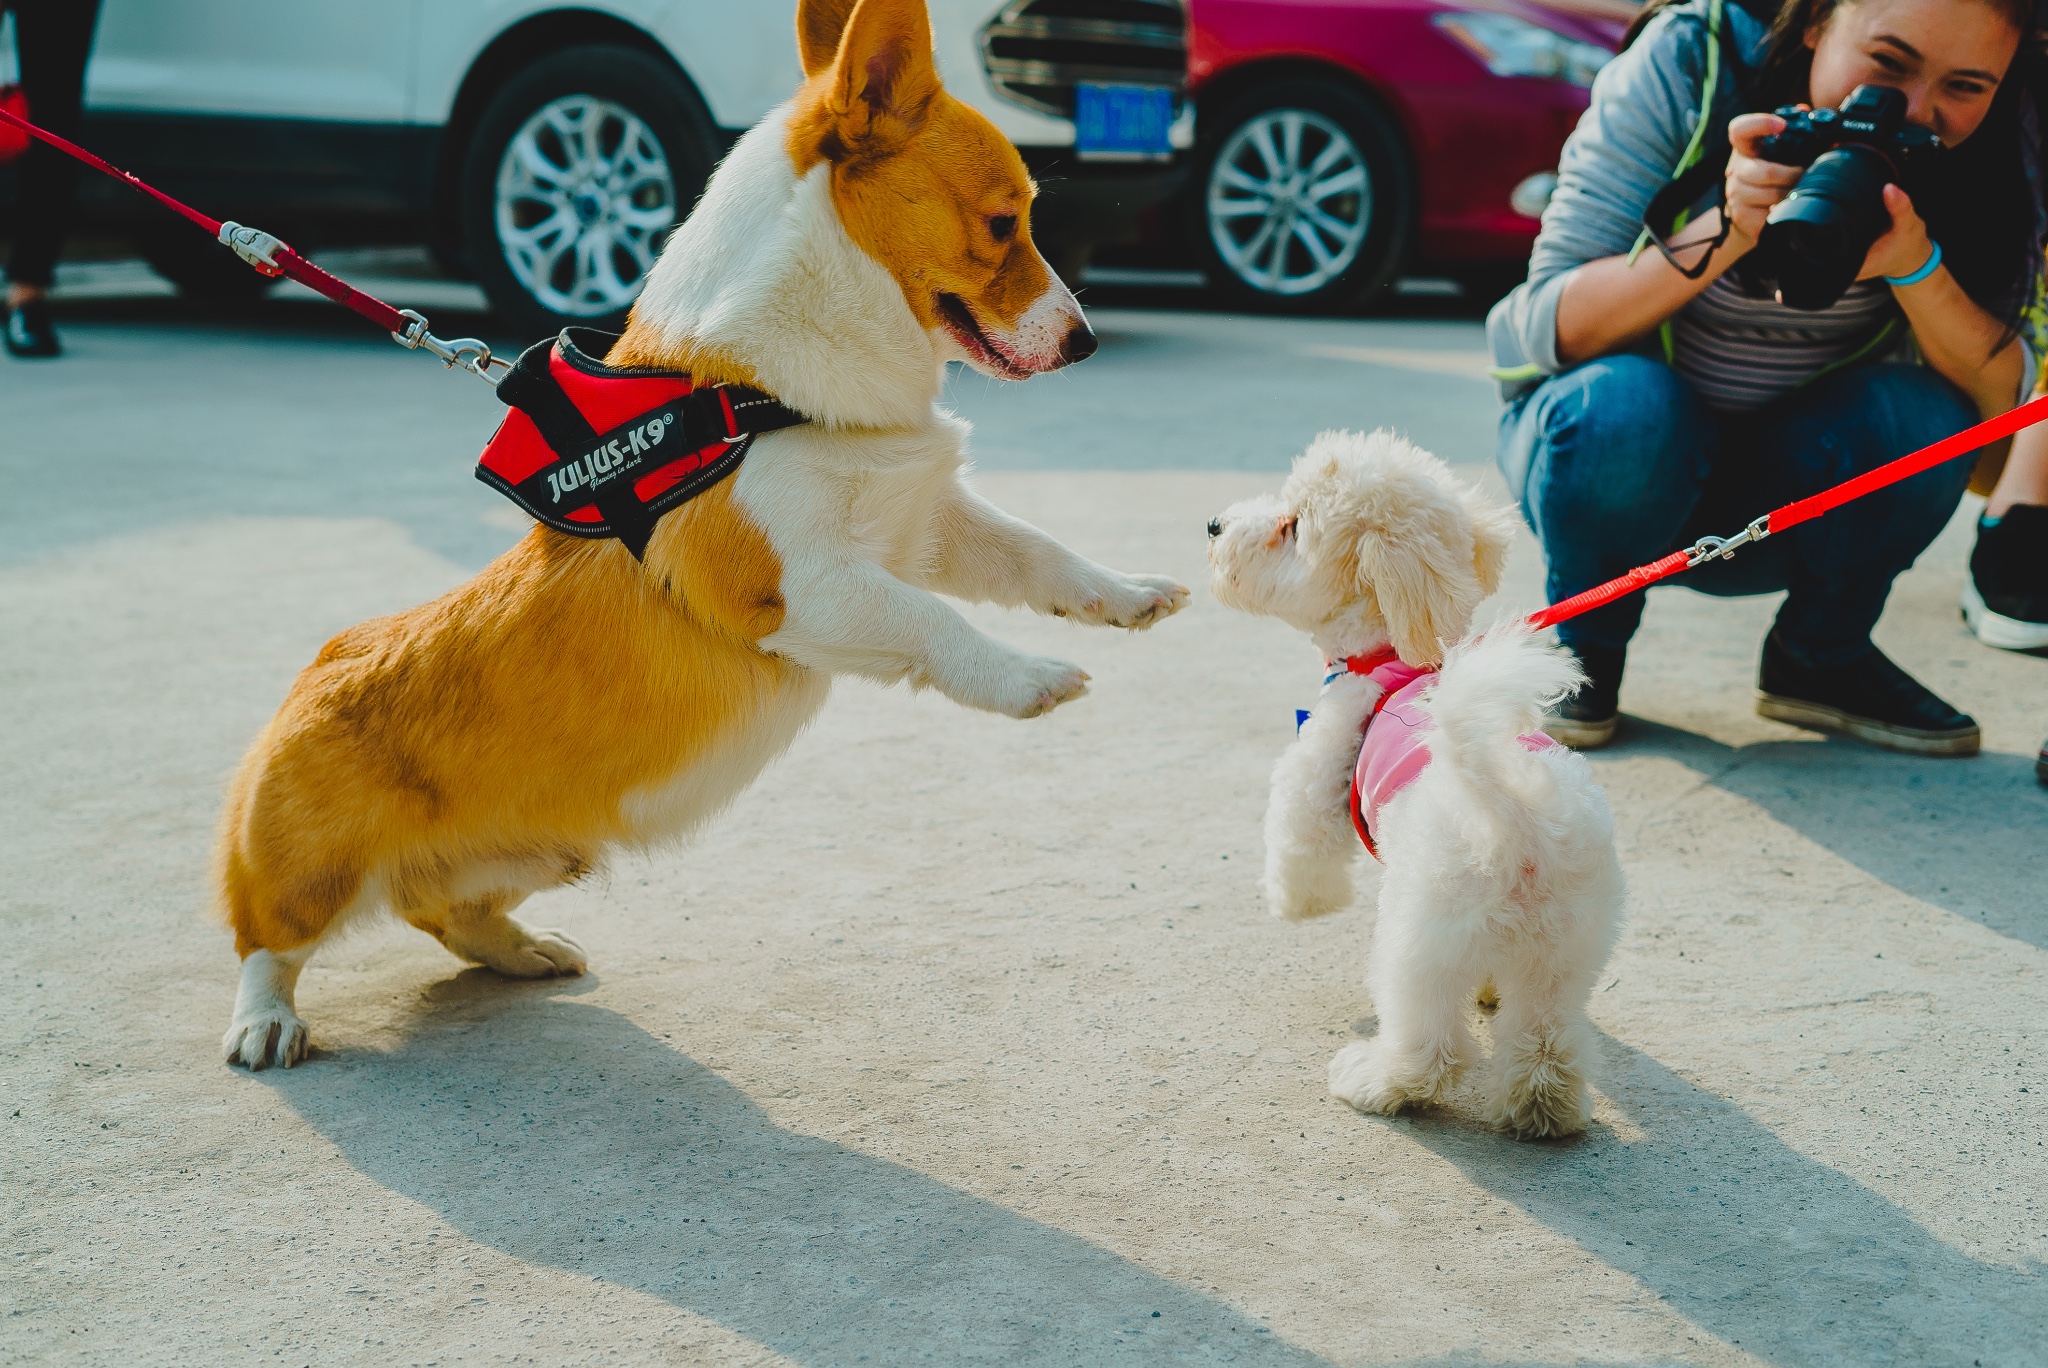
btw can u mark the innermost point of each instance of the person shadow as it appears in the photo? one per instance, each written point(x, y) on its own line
point(1964, 835)
point(563, 1134)
point(1752, 1241)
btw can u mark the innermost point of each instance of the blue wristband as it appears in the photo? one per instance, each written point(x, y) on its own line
point(1933, 265)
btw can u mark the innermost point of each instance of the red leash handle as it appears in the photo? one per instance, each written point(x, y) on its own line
point(1799, 511)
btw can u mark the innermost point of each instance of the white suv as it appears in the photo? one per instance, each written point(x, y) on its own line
point(547, 150)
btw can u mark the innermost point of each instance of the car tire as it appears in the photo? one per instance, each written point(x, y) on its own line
point(201, 269)
point(1269, 239)
point(580, 165)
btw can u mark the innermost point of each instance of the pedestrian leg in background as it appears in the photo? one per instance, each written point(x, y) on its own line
point(53, 39)
point(1608, 462)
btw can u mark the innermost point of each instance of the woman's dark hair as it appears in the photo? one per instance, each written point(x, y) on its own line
point(1980, 201)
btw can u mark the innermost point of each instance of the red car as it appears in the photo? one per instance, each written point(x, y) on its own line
point(1346, 141)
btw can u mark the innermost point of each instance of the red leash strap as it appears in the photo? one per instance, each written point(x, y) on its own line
point(1642, 577)
point(1801, 510)
point(268, 256)
point(212, 226)
point(1947, 449)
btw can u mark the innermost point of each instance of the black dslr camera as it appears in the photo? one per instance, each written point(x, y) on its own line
point(1815, 239)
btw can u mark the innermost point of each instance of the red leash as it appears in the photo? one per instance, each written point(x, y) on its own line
point(1799, 511)
point(270, 257)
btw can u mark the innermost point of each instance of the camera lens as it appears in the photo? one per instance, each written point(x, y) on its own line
point(1816, 238)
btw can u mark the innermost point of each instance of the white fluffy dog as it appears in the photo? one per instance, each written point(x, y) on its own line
point(1499, 857)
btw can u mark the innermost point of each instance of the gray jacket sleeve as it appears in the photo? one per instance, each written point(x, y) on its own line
point(1625, 148)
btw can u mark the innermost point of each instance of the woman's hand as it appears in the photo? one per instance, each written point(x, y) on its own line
point(1905, 246)
point(1755, 186)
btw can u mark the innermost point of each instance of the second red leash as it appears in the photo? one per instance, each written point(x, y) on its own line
point(1799, 511)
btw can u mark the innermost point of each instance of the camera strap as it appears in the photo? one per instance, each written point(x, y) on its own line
point(1705, 163)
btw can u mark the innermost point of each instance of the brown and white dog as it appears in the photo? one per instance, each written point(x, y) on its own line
point(863, 235)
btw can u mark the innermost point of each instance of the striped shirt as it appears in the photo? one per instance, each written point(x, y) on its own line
point(1741, 352)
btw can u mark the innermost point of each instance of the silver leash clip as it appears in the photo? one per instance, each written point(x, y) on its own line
point(1724, 548)
point(252, 245)
point(457, 353)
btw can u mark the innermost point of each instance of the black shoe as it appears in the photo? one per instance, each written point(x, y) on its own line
point(2041, 764)
point(1587, 719)
point(30, 332)
point(2005, 595)
point(1870, 699)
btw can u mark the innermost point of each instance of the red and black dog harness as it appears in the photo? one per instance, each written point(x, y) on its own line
point(603, 451)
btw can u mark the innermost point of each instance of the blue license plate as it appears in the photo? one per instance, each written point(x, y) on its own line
point(1123, 122)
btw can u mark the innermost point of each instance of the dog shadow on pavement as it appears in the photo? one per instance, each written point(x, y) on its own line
point(1964, 835)
point(1747, 1238)
point(563, 1134)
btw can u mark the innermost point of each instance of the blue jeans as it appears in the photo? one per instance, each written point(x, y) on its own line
point(1619, 462)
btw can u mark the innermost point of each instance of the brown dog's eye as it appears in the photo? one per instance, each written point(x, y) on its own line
point(1287, 527)
point(1002, 227)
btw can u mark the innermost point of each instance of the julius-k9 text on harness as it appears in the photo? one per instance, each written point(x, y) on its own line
point(602, 451)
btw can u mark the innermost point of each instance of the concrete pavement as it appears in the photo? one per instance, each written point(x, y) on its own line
point(961, 1039)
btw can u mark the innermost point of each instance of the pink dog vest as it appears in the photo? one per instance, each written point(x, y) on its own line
point(1393, 750)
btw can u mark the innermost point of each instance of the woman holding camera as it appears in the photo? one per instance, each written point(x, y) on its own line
point(1658, 395)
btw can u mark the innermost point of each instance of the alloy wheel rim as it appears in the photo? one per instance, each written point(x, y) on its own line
point(1289, 202)
point(584, 200)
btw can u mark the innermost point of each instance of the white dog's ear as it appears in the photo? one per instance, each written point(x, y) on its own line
point(1425, 577)
point(1493, 536)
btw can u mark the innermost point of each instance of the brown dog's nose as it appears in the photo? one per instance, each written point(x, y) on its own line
point(1078, 345)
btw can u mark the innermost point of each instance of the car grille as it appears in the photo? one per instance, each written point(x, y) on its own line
point(1037, 51)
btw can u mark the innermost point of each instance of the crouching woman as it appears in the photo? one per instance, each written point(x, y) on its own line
point(1658, 395)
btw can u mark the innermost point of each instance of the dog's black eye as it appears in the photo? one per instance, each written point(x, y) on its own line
point(1002, 227)
point(1215, 527)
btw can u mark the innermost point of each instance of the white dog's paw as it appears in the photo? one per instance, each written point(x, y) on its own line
point(1375, 1078)
point(1037, 685)
point(1303, 892)
point(1540, 1093)
point(1134, 601)
point(1359, 1076)
point(270, 1034)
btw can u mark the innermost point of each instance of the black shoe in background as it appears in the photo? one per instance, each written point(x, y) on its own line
point(30, 332)
point(2005, 595)
point(1870, 699)
point(2041, 764)
point(1587, 719)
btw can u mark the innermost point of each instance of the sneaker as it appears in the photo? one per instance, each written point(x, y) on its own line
point(1870, 699)
point(1587, 719)
point(2005, 595)
point(2041, 764)
point(30, 332)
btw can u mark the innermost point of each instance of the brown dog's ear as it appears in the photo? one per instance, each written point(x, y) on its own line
point(883, 77)
point(1425, 579)
point(819, 25)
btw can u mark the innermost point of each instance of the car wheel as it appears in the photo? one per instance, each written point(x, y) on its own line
point(1305, 198)
point(579, 167)
point(201, 269)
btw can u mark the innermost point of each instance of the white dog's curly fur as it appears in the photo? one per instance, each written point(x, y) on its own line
point(1500, 862)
